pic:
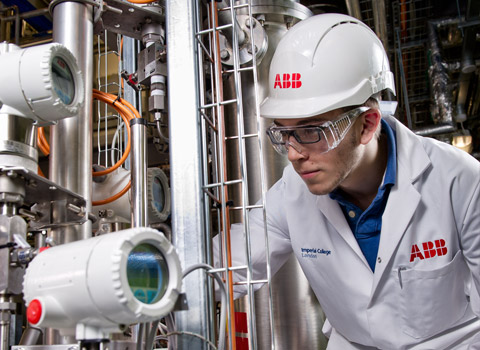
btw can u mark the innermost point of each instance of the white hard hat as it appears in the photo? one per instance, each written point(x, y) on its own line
point(323, 63)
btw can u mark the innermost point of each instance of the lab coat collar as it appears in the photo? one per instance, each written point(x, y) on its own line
point(411, 155)
point(412, 162)
point(333, 213)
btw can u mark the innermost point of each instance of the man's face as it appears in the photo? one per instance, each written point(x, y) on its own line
point(323, 172)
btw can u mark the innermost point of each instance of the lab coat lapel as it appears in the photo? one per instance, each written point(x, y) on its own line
point(333, 213)
point(403, 200)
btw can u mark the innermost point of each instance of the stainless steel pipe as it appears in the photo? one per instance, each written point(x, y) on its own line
point(138, 173)
point(225, 18)
point(71, 138)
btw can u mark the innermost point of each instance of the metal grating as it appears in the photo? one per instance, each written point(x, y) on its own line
point(410, 20)
point(110, 130)
point(215, 110)
point(366, 10)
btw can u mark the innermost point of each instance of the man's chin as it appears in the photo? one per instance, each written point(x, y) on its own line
point(318, 190)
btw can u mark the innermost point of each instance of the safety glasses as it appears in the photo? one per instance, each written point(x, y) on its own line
point(326, 136)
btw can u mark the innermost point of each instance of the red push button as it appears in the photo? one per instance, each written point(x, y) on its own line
point(34, 311)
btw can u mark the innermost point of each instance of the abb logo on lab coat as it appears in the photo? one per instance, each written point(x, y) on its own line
point(430, 249)
point(287, 81)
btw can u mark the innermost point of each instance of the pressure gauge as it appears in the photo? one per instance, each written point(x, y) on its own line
point(44, 82)
point(94, 287)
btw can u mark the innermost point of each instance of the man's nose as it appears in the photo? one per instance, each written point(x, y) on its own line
point(295, 151)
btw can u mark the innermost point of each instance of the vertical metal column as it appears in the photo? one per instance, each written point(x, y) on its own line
point(138, 128)
point(71, 138)
point(129, 55)
point(186, 168)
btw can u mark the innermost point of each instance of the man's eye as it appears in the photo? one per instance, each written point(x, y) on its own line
point(308, 134)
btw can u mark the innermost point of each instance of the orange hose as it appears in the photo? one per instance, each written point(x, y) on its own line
point(40, 172)
point(120, 59)
point(126, 114)
point(42, 142)
point(141, 1)
point(226, 235)
point(114, 197)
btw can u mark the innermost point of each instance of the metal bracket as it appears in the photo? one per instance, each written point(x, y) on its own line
point(128, 19)
point(46, 197)
point(182, 303)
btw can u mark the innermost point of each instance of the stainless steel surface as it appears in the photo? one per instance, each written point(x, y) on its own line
point(245, 53)
point(149, 63)
point(435, 130)
point(8, 209)
point(225, 19)
point(15, 128)
point(380, 21)
point(11, 278)
point(280, 11)
point(6, 312)
point(188, 228)
point(353, 8)
point(71, 139)
point(4, 330)
point(66, 346)
point(12, 188)
point(18, 142)
point(31, 336)
point(128, 19)
point(38, 189)
point(274, 163)
point(298, 316)
point(139, 175)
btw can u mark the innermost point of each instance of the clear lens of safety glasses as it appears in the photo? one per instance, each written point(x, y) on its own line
point(326, 136)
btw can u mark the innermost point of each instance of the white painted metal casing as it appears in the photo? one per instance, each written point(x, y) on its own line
point(37, 82)
point(83, 289)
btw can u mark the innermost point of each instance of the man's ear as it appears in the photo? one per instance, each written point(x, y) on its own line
point(370, 120)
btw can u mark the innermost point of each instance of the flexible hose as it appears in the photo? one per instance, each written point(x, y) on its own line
point(114, 197)
point(126, 112)
point(42, 142)
point(141, 1)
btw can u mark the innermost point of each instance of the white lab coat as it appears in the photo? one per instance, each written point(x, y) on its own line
point(428, 303)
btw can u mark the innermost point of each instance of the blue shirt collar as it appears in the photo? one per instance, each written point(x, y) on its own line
point(391, 171)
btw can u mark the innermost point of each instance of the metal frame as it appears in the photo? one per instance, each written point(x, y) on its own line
point(188, 224)
point(214, 146)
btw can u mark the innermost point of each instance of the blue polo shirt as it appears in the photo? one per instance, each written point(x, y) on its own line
point(366, 225)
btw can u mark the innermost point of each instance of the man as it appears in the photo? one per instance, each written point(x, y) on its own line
point(385, 224)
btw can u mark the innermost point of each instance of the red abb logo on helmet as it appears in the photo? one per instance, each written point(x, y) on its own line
point(430, 249)
point(287, 81)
